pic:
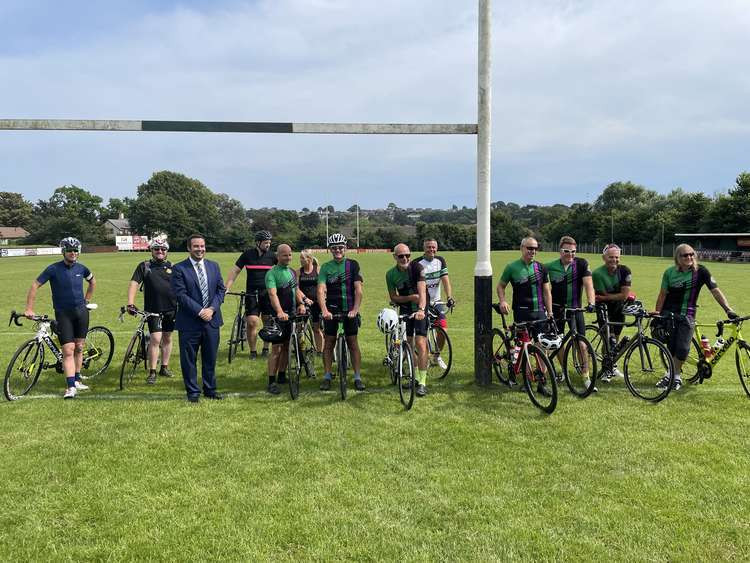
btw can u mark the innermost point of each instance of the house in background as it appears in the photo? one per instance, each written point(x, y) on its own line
point(118, 227)
point(11, 234)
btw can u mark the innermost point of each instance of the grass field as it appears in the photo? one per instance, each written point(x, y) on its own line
point(468, 473)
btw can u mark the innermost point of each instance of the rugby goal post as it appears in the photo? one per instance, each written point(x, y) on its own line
point(482, 129)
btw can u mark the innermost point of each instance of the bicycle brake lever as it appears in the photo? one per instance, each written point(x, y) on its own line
point(719, 328)
point(14, 318)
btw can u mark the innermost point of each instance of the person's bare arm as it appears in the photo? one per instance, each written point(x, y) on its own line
point(233, 273)
point(504, 307)
point(30, 298)
point(547, 296)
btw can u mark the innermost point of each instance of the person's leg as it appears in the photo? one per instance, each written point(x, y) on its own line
point(189, 343)
point(330, 328)
point(209, 348)
point(69, 364)
point(155, 341)
point(252, 326)
point(166, 352)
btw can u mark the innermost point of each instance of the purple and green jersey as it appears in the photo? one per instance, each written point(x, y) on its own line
point(682, 289)
point(567, 283)
point(527, 281)
point(339, 279)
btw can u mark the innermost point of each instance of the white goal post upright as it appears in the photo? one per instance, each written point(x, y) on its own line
point(482, 129)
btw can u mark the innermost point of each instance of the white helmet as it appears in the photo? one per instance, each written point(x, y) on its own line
point(550, 341)
point(336, 239)
point(158, 243)
point(632, 308)
point(387, 320)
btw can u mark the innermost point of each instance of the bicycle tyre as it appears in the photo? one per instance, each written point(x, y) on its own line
point(308, 350)
point(742, 356)
point(434, 370)
point(341, 365)
point(691, 369)
point(234, 338)
point(594, 336)
point(537, 376)
point(97, 352)
point(27, 363)
point(405, 376)
point(133, 357)
point(655, 362)
point(573, 366)
point(293, 366)
point(502, 352)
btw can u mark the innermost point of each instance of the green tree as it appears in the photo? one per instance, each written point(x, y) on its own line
point(71, 211)
point(15, 211)
point(116, 207)
point(505, 233)
point(235, 232)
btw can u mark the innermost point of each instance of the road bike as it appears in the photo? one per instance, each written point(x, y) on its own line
point(514, 354)
point(238, 336)
point(28, 361)
point(646, 361)
point(297, 357)
point(439, 344)
point(400, 362)
point(576, 356)
point(700, 363)
point(341, 353)
point(137, 350)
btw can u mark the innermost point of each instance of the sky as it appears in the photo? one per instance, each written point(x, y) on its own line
point(585, 93)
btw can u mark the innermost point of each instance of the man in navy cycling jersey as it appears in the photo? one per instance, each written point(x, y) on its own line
point(66, 280)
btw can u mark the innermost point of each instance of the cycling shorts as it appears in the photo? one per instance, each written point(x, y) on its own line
point(415, 327)
point(72, 324)
point(351, 326)
point(258, 303)
point(577, 318)
point(681, 336)
point(440, 319)
point(165, 323)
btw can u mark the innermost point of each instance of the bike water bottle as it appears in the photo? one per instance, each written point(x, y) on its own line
point(718, 344)
point(706, 346)
point(514, 354)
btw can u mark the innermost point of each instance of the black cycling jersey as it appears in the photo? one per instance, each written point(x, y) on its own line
point(156, 276)
point(256, 266)
point(308, 283)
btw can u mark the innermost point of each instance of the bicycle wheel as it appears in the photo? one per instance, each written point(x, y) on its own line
point(97, 352)
point(440, 361)
point(742, 359)
point(406, 380)
point(234, 338)
point(579, 366)
point(646, 362)
point(594, 336)
point(243, 333)
point(341, 364)
point(23, 370)
point(539, 379)
point(293, 367)
point(307, 342)
point(691, 367)
point(133, 357)
point(501, 357)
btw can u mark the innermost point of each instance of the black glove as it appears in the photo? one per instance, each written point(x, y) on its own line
point(450, 302)
point(132, 310)
point(731, 314)
point(590, 308)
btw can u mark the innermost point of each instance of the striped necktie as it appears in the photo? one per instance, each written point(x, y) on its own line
point(203, 283)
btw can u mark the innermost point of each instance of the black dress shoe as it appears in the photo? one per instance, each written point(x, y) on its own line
point(215, 397)
point(358, 385)
point(193, 398)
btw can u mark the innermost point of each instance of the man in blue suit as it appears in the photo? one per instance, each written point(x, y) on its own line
point(197, 284)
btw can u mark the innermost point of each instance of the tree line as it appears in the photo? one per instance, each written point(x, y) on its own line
point(177, 205)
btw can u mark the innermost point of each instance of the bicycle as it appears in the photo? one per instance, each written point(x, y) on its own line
point(27, 362)
point(645, 359)
point(341, 353)
point(440, 357)
point(297, 354)
point(574, 361)
point(400, 362)
point(514, 354)
point(137, 350)
point(701, 362)
point(238, 336)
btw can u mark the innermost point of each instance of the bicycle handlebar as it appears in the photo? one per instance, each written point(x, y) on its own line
point(14, 318)
point(138, 312)
point(240, 293)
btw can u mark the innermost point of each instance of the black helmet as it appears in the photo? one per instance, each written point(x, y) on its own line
point(272, 334)
point(260, 236)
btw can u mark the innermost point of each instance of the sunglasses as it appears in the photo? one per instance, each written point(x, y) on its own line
point(567, 251)
point(534, 248)
point(72, 250)
point(159, 249)
point(687, 255)
point(400, 256)
point(338, 248)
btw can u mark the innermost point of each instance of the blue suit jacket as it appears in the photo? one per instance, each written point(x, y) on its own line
point(189, 299)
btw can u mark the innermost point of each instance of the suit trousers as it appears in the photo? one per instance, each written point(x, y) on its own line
point(207, 340)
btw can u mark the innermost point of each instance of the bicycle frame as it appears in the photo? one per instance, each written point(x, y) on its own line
point(704, 364)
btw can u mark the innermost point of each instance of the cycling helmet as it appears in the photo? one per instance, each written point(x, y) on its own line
point(158, 243)
point(260, 236)
point(632, 307)
point(70, 243)
point(336, 239)
point(272, 334)
point(387, 320)
point(550, 341)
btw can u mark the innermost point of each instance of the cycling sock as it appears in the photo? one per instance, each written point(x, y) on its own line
point(357, 376)
point(328, 376)
point(271, 379)
point(78, 376)
point(71, 381)
point(422, 376)
point(281, 376)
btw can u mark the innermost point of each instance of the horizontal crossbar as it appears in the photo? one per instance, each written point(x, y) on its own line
point(240, 127)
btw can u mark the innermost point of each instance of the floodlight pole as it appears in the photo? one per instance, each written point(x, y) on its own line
point(483, 266)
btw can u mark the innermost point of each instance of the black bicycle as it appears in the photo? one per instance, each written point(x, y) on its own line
point(297, 354)
point(439, 345)
point(28, 361)
point(646, 361)
point(137, 350)
point(238, 336)
point(576, 356)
